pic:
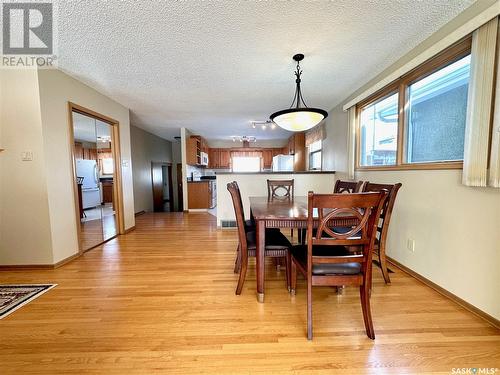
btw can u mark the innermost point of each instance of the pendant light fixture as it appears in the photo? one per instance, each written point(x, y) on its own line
point(299, 116)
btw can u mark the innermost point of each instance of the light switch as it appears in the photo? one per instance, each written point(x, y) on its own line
point(26, 156)
point(124, 163)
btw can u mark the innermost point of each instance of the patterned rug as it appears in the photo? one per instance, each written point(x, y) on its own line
point(12, 297)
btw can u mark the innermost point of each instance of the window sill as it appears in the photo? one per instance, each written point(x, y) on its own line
point(420, 166)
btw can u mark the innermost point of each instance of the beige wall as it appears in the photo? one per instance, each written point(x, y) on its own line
point(38, 208)
point(146, 148)
point(455, 228)
point(56, 90)
point(25, 233)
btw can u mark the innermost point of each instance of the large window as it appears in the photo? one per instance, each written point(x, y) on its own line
point(379, 132)
point(246, 163)
point(419, 120)
point(315, 155)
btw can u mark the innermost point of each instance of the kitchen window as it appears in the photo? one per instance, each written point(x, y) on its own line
point(418, 121)
point(315, 155)
point(107, 166)
point(246, 163)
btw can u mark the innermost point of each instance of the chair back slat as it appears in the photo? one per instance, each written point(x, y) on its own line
point(385, 217)
point(234, 191)
point(350, 187)
point(280, 189)
point(365, 207)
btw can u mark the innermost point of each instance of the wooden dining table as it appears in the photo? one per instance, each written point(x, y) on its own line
point(280, 214)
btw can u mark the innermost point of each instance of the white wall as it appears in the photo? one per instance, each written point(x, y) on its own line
point(25, 233)
point(455, 228)
point(256, 185)
point(146, 148)
point(334, 146)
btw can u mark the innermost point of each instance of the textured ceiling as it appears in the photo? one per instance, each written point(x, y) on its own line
point(215, 66)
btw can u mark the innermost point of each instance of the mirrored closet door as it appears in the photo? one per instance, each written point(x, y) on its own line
point(95, 175)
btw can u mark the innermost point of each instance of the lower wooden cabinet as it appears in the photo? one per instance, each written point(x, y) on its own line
point(202, 194)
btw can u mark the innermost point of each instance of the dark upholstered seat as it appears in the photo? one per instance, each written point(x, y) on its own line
point(299, 252)
point(274, 240)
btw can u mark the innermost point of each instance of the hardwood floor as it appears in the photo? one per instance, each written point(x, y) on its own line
point(161, 300)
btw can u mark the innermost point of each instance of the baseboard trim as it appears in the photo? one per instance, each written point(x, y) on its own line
point(140, 213)
point(13, 267)
point(132, 228)
point(67, 260)
point(466, 305)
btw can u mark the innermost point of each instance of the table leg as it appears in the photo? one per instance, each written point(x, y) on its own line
point(260, 259)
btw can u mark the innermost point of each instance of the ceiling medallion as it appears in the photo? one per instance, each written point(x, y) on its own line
point(299, 116)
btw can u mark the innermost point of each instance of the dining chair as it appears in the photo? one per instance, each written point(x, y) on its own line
point(249, 227)
point(326, 260)
point(342, 186)
point(383, 225)
point(276, 245)
point(280, 189)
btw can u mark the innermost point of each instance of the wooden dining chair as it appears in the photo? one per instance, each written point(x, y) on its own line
point(342, 186)
point(280, 189)
point(249, 227)
point(383, 225)
point(276, 246)
point(326, 259)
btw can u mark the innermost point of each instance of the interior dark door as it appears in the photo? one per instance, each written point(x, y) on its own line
point(157, 181)
point(180, 200)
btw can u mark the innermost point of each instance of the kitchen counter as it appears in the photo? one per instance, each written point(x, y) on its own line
point(280, 172)
point(255, 184)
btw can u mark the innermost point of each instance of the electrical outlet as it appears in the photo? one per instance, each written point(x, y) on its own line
point(410, 245)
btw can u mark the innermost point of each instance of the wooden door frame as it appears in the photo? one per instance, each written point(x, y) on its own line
point(117, 178)
point(170, 182)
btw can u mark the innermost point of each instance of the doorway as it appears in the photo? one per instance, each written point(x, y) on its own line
point(180, 194)
point(161, 175)
point(95, 143)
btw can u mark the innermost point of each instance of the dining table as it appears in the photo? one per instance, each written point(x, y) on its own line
point(281, 213)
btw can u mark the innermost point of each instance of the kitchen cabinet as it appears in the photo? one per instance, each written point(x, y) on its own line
point(224, 158)
point(195, 145)
point(297, 147)
point(78, 150)
point(267, 158)
point(107, 191)
point(202, 194)
point(213, 158)
point(84, 153)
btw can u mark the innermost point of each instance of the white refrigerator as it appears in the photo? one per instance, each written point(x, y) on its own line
point(91, 191)
point(283, 163)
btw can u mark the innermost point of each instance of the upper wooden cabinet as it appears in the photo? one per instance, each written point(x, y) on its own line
point(224, 158)
point(194, 148)
point(297, 147)
point(82, 152)
point(267, 157)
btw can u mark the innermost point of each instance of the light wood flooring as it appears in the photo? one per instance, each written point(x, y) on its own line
point(160, 300)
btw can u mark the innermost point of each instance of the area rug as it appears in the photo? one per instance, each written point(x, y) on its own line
point(12, 297)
